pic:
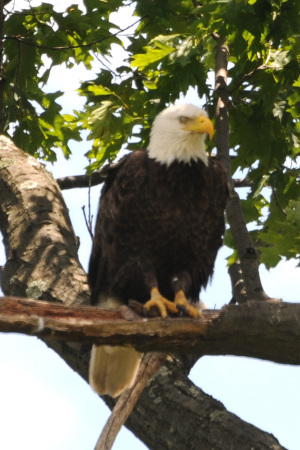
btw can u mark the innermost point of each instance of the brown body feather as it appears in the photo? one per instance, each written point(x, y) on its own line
point(156, 223)
point(159, 226)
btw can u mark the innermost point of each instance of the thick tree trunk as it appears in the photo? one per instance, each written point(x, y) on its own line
point(42, 260)
point(178, 415)
point(39, 240)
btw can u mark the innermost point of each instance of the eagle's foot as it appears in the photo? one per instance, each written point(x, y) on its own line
point(183, 305)
point(161, 303)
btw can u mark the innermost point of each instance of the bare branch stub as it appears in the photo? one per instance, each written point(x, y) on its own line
point(80, 181)
point(96, 178)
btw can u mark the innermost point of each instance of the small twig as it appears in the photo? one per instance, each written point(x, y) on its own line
point(87, 222)
point(277, 202)
point(249, 75)
point(90, 218)
point(242, 182)
point(26, 41)
point(127, 401)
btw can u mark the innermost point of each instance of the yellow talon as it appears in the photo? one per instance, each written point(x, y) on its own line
point(161, 303)
point(182, 303)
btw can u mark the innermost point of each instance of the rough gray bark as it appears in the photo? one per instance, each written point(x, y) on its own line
point(189, 418)
point(41, 257)
point(40, 244)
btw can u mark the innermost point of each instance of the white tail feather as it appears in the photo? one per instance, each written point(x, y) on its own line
point(112, 369)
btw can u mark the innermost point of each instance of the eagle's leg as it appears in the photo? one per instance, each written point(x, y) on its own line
point(161, 303)
point(181, 284)
point(184, 305)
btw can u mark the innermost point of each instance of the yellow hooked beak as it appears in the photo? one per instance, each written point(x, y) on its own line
point(201, 124)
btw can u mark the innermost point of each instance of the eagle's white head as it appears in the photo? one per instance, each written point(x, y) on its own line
point(178, 134)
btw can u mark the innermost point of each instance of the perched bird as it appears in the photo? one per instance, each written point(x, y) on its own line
point(159, 227)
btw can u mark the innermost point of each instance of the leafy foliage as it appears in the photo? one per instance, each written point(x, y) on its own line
point(35, 41)
point(170, 50)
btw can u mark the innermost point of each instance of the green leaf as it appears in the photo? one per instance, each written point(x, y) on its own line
point(158, 49)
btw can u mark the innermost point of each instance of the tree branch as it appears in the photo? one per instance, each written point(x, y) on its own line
point(268, 330)
point(248, 255)
point(95, 178)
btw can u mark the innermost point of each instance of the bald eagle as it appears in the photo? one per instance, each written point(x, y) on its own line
point(159, 228)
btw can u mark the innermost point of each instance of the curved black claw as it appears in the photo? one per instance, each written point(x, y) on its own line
point(185, 312)
point(182, 309)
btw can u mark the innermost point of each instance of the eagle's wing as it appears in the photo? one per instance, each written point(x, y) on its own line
point(97, 264)
point(112, 369)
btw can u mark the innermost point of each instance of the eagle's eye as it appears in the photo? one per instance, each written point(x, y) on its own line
point(183, 119)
